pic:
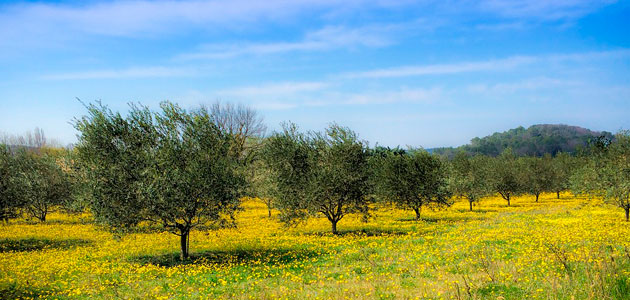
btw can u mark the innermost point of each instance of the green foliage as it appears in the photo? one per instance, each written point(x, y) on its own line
point(606, 173)
point(537, 174)
point(414, 180)
point(172, 168)
point(43, 184)
point(506, 176)
point(537, 140)
point(470, 177)
point(9, 202)
point(564, 165)
point(32, 182)
point(318, 173)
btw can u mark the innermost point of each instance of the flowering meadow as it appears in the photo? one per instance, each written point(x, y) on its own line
point(567, 248)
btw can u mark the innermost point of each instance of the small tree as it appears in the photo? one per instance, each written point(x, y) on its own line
point(607, 173)
point(506, 176)
point(243, 123)
point(469, 178)
point(319, 173)
point(414, 180)
point(171, 168)
point(261, 184)
point(9, 200)
point(44, 185)
point(563, 166)
point(537, 174)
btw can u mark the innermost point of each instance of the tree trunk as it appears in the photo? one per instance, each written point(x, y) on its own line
point(334, 227)
point(269, 212)
point(558, 195)
point(508, 199)
point(183, 239)
point(538, 194)
point(43, 213)
point(417, 210)
point(627, 208)
point(470, 202)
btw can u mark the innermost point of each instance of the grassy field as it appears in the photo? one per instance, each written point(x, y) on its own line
point(555, 249)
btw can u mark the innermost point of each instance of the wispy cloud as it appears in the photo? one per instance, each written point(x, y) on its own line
point(273, 96)
point(542, 9)
point(503, 64)
point(437, 69)
point(281, 89)
point(327, 38)
point(403, 95)
point(157, 18)
point(134, 72)
point(130, 18)
point(528, 84)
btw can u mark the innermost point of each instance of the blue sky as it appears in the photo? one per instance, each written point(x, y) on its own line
point(417, 73)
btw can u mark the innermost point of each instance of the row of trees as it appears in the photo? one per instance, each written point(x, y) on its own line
point(334, 173)
point(182, 169)
point(475, 177)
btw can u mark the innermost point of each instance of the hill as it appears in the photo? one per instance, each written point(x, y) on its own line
point(536, 140)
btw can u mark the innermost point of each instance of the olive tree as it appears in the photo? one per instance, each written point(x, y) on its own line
point(563, 166)
point(9, 200)
point(318, 173)
point(538, 174)
point(43, 184)
point(507, 175)
point(606, 173)
point(470, 177)
point(171, 168)
point(414, 179)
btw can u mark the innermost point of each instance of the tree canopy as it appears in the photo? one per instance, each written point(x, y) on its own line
point(606, 173)
point(318, 173)
point(171, 168)
point(413, 180)
point(470, 177)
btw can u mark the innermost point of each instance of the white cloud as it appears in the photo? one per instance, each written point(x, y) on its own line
point(130, 18)
point(276, 90)
point(134, 72)
point(544, 10)
point(327, 38)
point(528, 84)
point(493, 65)
point(462, 67)
point(405, 95)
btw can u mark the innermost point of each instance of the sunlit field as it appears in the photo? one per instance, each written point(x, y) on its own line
point(568, 248)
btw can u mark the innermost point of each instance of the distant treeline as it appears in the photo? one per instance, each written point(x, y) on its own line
point(537, 140)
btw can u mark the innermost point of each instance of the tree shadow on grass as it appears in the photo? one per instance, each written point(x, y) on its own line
point(15, 291)
point(477, 210)
point(229, 257)
point(445, 219)
point(151, 229)
point(35, 244)
point(369, 232)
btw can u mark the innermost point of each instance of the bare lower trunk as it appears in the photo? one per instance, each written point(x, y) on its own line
point(183, 239)
point(470, 202)
point(627, 208)
point(269, 212)
point(558, 195)
point(417, 210)
point(537, 197)
point(506, 196)
point(334, 227)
